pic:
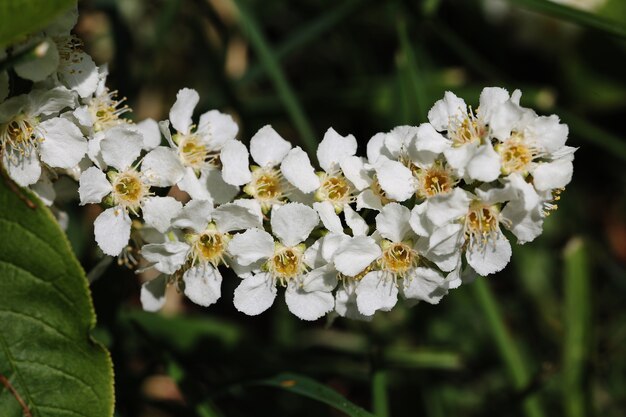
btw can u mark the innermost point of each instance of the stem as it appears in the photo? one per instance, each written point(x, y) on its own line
point(4, 381)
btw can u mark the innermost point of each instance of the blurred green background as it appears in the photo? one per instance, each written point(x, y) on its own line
point(545, 337)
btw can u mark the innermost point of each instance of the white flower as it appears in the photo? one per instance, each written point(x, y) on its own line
point(204, 248)
point(281, 263)
point(30, 134)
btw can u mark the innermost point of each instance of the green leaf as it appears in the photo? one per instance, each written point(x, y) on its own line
point(575, 16)
point(308, 387)
point(47, 356)
point(18, 18)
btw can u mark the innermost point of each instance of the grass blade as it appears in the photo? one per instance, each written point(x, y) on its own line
point(310, 388)
point(577, 327)
point(380, 399)
point(268, 59)
point(574, 15)
point(507, 347)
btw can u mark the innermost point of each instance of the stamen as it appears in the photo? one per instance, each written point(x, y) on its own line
point(437, 179)
point(19, 138)
point(398, 258)
point(287, 263)
point(268, 187)
point(336, 189)
point(481, 224)
point(129, 189)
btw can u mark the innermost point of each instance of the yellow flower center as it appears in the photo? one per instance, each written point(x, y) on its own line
point(434, 180)
point(129, 189)
point(194, 153)
point(516, 155)
point(286, 263)
point(105, 112)
point(336, 189)
point(267, 187)
point(18, 138)
point(210, 246)
point(469, 130)
point(481, 223)
point(398, 258)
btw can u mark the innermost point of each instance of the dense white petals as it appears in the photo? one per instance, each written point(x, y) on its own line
point(353, 168)
point(121, 146)
point(368, 199)
point(491, 100)
point(334, 148)
point(448, 108)
point(393, 222)
point(218, 128)
point(219, 190)
point(424, 284)
point(255, 294)
point(323, 278)
point(459, 157)
point(395, 179)
point(330, 219)
point(203, 284)
point(551, 175)
point(428, 139)
point(158, 212)
point(549, 132)
point(238, 215)
point(165, 257)
point(491, 257)
point(298, 171)
point(79, 73)
point(308, 305)
point(355, 255)
point(267, 147)
point(112, 230)
point(162, 167)
point(193, 186)
point(63, 145)
point(345, 303)
point(234, 158)
point(484, 164)
point(93, 186)
point(182, 110)
point(376, 148)
point(50, 101)
point(152, 295)
point(195, 215)
point(447, 207)
point(418, 221)
point(251, 246)
point(376, 293)
point(446, 239)
point(293, 222)
point(25, 170)
point(399, 139)
point(505, 118)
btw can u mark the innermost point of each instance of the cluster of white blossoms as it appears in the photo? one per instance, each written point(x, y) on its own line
point(427, 209)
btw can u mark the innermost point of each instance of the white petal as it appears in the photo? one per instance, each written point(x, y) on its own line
point(293, 222)
point(219, 190)
point(42, 66)
point(505, 118)
point(308, 305)
point(355, 222)
point(238, 215)
point(376, 148)
point(551, 175)
point(46, 193)
point(428, 139)
point(491, 99)
point(203, 284)
point(368, 199)
point(165, 257)
point(64, 145)
point(251, 246)
point(255, 294)
point(25, 170)
point(112, 230)
point(297, 169)
point(484, 164)
point(93, 186)
point(449, 107)
point(345, 304)
point(158, 212)
point(353, 168)
point(79, 73)
point(234, 158)
point(152, 295)
point(490, 258)
point(446, 239)
point(162, 167)
point(399, 139)
point(182, 110)
point(395, 179)
point(448, 207)
point(330, 220)
point(121, 146)
point(458, 158)
point(193, 186)
point(393, 222)
point(195, 215)
point(218, 128)
point(320, 279)
point(313, 255)
point(375, 293)
point(334, 148)
point(424, 284)
point(357, 254)
point(150, 132)
point(549, 132)
point(331, 243)
point(267, 147)
point(49, 101)
point(418, 221)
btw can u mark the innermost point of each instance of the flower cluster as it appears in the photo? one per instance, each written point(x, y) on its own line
point(424, 211)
